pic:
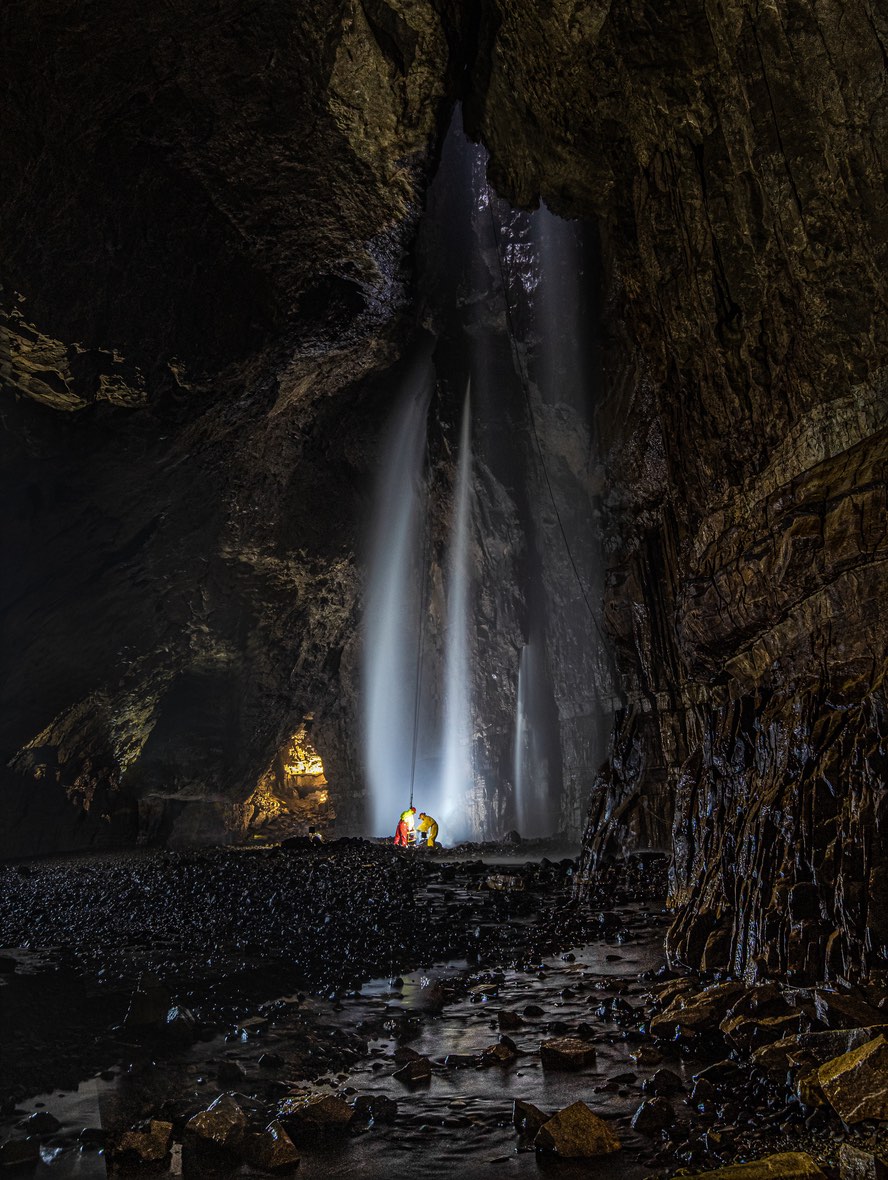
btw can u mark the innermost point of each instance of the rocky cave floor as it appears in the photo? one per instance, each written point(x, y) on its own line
point(363, 1012)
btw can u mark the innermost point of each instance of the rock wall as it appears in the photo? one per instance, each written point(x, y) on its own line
point(732, 156)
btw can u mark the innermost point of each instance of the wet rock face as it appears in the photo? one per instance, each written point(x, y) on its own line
point(727, 156)
point(206, 226)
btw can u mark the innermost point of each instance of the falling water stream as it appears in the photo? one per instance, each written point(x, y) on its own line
point(456, 773)
point(393, 610)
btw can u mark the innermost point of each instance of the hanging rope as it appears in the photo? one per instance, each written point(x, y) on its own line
point(524, 381)
point(420, 629)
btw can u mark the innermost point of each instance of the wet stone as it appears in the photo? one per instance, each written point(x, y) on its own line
point(19, 1154)
point(664, 1081)
point(856, 1084)
point(528, 1118)
point(315, 1117)
point(461, 1060)
point(837, 1010)
point(41, 1123)
point(566, 1053)
point(577, 1133)
point(273, 1150)
point(857, 1164)
point(150, 1145)
point(378, 1107)
point(500, 1054)
point(509, 1021)
point(414, 1073)
point(787, 1165)
point(222, 1124)
point(749, 1033)
point(654, 1114)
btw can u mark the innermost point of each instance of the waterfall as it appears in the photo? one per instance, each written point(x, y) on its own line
point(457, 780)
point(393, 613)
point(519, 756)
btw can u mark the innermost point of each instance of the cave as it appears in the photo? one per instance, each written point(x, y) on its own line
point(479, 411)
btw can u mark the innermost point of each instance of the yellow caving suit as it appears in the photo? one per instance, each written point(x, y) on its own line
point(428, 826)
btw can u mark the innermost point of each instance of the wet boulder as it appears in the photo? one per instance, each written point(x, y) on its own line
point(804, 1050)
point(376, 1107)
point(416, 1072)
point(180, 1025)
point(566, 1053)
point(221, 1125)
point(696, 1013)
point(146, 1146)
point(748, 1033)
point(664, 1081)
point(528, 1118)
point(654, 1115)
point(856, 1084)
point(500, 1054)
point(577, 1133)
point(839, 1010)
point(19, 1154)
point(315, 1118)
point(40, 1123)
point(787, 1165)
point(508, 1021)
point(855, 1163)
point(272, 1150)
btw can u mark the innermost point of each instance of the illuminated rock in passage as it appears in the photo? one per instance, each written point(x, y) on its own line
point(577, 1133)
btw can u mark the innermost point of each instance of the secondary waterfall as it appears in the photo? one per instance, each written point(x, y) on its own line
point(393, 613)
point(533, 814)
point(456, 774)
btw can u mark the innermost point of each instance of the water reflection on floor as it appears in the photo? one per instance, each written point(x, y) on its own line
point(457, 1126)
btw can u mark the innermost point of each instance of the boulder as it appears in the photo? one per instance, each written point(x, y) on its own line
point(378, 1107)
point(749, 1033)
point(180, 1025)
point(313, 1118)
point(40, 1123)
point(414, 1073)
point(528, 1118)
point(697, 1012)
point(501, 1054)
point(856, 1084)
point(576, 1133)
point(788, 1165)
point(807, 1049)
point(566, 1053)
point(150, 1145)
point(273, 1150)
point(19, 1153)
point(509, 1021)
point(652, 1116)
point(221, 1125)
point(839, 1010)
point(855, 1163)
point(664, 1081)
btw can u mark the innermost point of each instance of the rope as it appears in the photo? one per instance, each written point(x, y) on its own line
point(417, 690)
point(525, 386)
